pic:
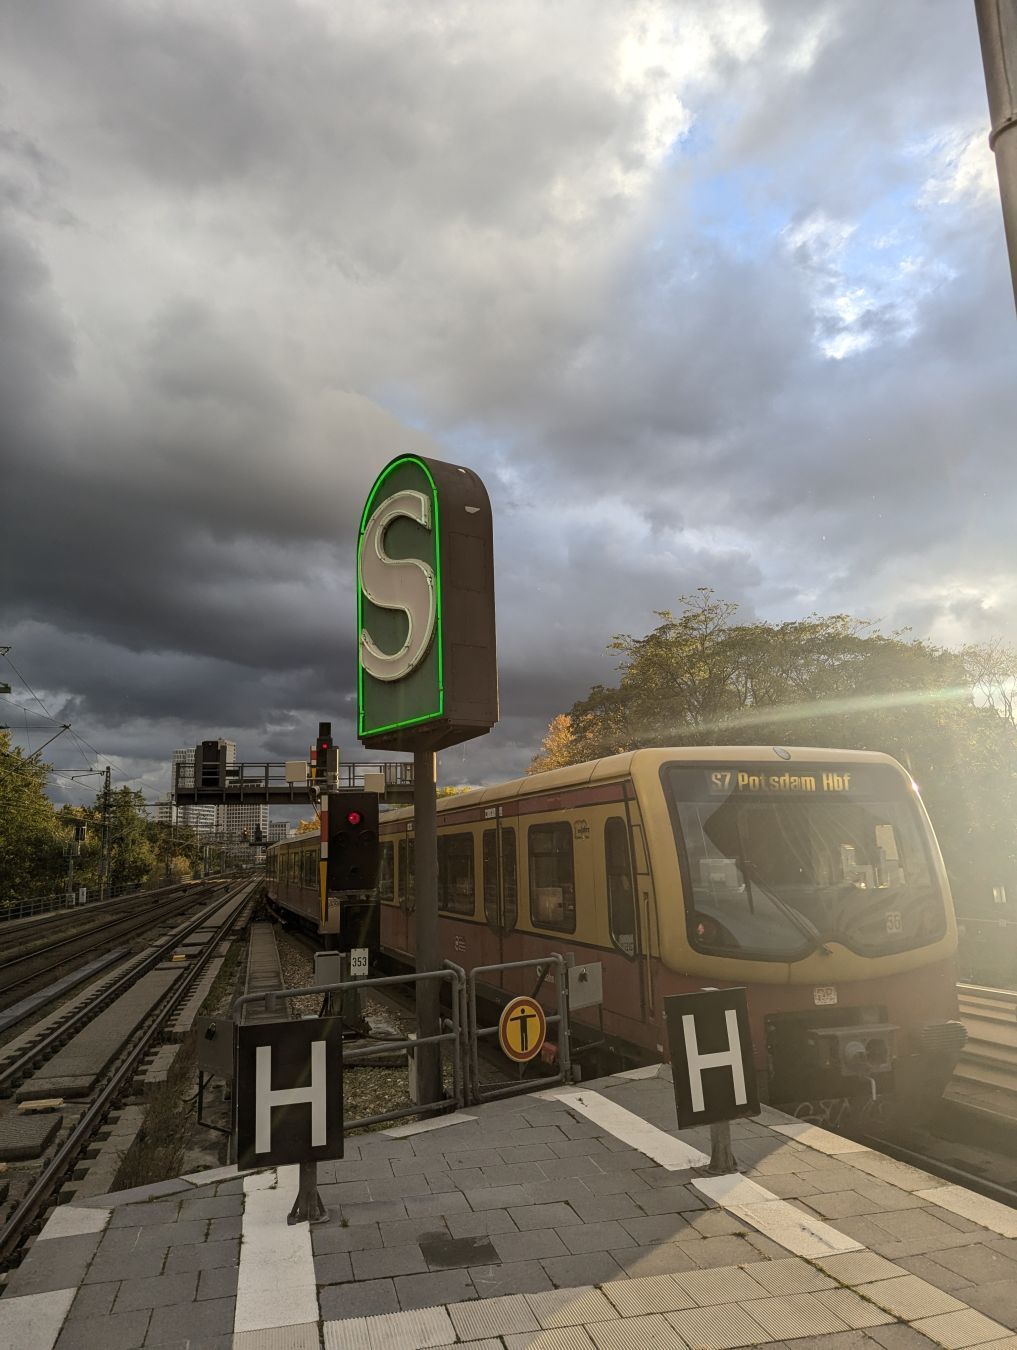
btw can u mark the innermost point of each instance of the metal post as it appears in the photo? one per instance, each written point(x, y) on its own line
point(722, 1158)
point(425, 856)
point(997, 32)
point(104, 886)
point(307, 1207)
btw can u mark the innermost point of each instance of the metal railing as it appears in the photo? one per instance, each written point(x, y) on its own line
point(479, 1091)
point(51, 904)
point(253, 780)
point(453, 1037)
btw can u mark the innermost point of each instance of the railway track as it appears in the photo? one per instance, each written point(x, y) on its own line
point(55, 946)
point(37, 1184)
point(990, 1056)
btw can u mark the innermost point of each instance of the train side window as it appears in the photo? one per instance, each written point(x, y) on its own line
point(310, 866)
point(386, 880)
point(620, 900)
point(456, 886)
point(406, 872)
point(510, 888)
point(552, 876)
point(490, 865)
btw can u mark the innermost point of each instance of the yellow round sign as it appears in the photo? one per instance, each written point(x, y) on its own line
point(522, 1029)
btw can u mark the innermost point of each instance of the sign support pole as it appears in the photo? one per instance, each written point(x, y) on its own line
point(722, 1158)
point(425, 863)
point(307, 1206)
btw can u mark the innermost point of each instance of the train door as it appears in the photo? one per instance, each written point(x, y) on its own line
point(501, 889)
point(625, 985)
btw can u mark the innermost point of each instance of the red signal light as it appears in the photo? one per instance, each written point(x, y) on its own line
point(353, 817)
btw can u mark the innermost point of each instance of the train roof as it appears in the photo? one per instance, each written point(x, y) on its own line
point(650, 759)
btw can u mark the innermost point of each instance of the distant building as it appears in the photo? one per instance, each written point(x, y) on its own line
point(277, 831)
point(206, 819)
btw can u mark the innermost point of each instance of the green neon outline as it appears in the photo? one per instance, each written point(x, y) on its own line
point(425, 717)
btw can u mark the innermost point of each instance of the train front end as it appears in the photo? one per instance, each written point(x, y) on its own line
point(813, 878)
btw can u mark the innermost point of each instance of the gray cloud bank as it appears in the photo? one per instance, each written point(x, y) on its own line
point(708, 294)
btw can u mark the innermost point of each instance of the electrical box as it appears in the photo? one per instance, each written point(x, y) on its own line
point(296, 771)
point(586, 985)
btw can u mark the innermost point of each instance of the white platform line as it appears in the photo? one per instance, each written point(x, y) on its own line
point(980, 1209)
point(72, 1221)
point(787, 1225)
point(659, 1147)
point(432, 1123)
point(275, 1285)
point(34, 1321)
point(823, 1141)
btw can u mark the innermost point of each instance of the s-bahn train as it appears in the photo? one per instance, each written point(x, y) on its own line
point(810, 877)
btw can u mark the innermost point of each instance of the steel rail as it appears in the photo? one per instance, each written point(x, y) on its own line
point(30, 1058)
point(14, 1231)
point(102, 931)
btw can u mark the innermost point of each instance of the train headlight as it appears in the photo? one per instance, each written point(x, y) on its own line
point(857, 1050)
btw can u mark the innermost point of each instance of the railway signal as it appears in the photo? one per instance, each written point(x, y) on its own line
point(353, 846)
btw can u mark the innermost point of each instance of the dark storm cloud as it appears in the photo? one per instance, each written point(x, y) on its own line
point(702, 291)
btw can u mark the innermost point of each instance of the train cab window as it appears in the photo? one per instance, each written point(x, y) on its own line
point(456, 886)
point(620, 900)
point(406, 893)
point(386, 879)
point(509, 888)
point(552, 876)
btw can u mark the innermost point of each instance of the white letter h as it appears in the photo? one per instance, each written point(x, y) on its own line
point(265, 1097)
point(732, 1057)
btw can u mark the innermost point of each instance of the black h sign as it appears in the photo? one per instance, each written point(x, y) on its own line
point(711, 1056)
point(289, 1092)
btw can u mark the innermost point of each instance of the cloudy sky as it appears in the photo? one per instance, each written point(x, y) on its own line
point(709, 294)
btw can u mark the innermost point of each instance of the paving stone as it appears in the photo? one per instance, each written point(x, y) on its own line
point(514, 1277)
point(656, 1228)
point(842, 1205)
point(908, 1297)
point(160, 1236)
point(529, 1246)
point(329, 1237)
point(714, 1223)
point(647, 1294)
point(156, 1292)
point(580, 1146)
point(349, 1169)
point(979, 1264)
point(858, 1267)
point(569, 1307)
point(995, 1298)
point(448, 1253)
point(452, 1202)
point(139, 1266)
point(404, 1260)
point(397, 1232)
point(666, 1259)
point(190, 1323)
point(528, 1153)
point(607, 1236)
point(722, 1285)
point(218, 1283)
point(518, 1174)
point(202, 1256)
point(358, 1300)
point(899, 1337)
point(138, 1193)
point(94, 1300)
point(425, 1291)
point(794, 1315)
point(669, 1200)
point(390, 1188)
point(616, 1183)
point(124, 1332)
point(596, 1208)
point(653, 1332)
point(581, 1166)
point(333, 1268)
point(917, 1225)
point(956, 1330)
point(144, 1215)
point(221, 1230)
point(720, 1327)
point(212, 1207)
point(484, 1222)
point(497, 1197)
point(927, 1268)
point(857, 1312)
point(567, 1189)
point(492, 1317)
point(725, 1251)
point(377, 1211)
point(591, 1268)
point(557, 1215)
point(57, 1263)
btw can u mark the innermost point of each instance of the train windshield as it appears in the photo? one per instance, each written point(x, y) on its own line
point(778, 861)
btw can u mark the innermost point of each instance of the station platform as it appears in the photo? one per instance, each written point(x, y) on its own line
point(573, 1219)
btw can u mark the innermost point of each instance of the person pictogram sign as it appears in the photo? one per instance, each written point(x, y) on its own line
point(522, 1029)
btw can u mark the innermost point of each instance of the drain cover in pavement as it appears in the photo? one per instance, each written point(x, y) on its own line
point(446, 1253)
